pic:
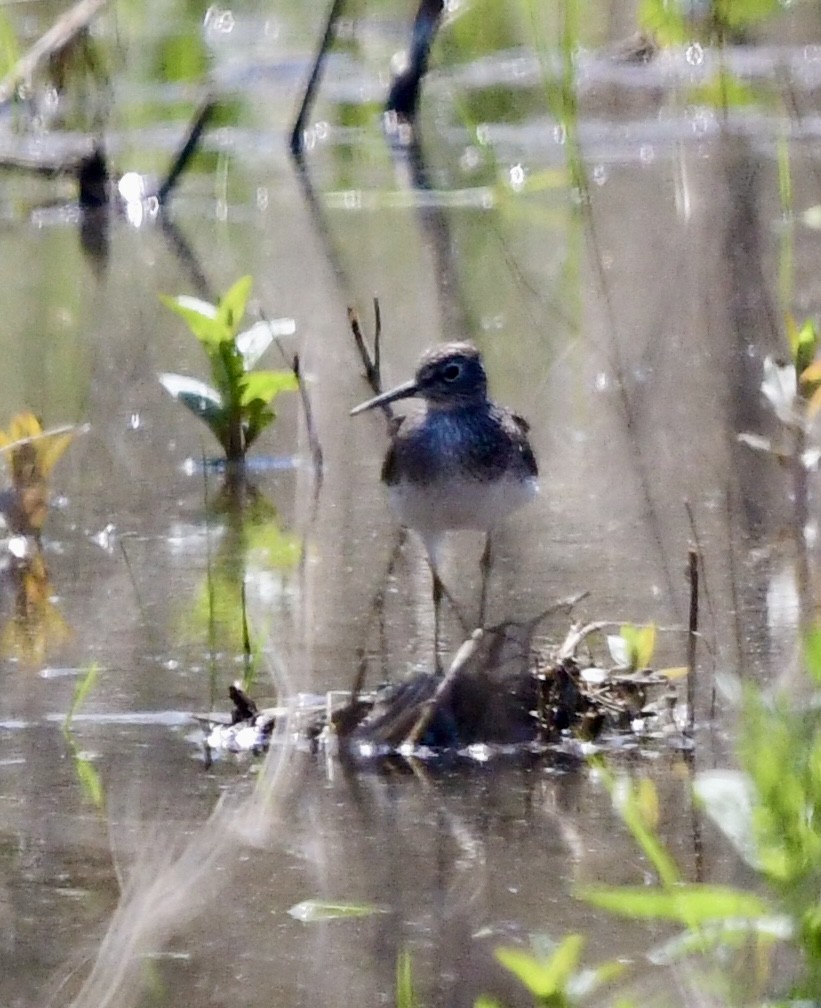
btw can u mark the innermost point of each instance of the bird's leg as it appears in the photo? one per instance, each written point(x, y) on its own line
point(438, 592)
point(484, 567)
point(433, 546)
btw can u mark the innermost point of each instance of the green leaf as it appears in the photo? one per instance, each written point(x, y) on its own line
point(312, 910)
point(257, 417)
point(405, 994)
point(227, 372)
point(203, 401)
point(645, 643)
point(691, 905)
point(265, 385)
point(81, 691)
point(232, 305)
point(640, 643)
point(90, 781)
point(258, 389)
point(201, 318)
point(803, 344)
point(544, 978)
point(9, 46)
point(484, 1001)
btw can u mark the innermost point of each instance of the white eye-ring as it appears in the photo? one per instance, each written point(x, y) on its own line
point(451, 371)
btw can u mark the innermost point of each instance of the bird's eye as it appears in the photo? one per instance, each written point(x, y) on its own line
point(451, 372)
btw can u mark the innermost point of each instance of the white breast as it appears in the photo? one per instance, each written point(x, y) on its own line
point(459, 503)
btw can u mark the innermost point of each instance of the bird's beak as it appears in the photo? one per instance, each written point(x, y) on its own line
point(404, 391)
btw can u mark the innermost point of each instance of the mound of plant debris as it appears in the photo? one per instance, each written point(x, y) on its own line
point(503, 689)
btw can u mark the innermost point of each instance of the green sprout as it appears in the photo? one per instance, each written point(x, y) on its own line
point(237, 409)
point(632, 648)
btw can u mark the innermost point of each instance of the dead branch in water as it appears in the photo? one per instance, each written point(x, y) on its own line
point(692, 638)
point(187, 148)
point(371, 360)
point(64, 29)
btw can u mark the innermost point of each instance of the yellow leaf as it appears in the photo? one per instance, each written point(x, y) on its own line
point(24, 425)
point(812, 372)
point(815, 401)
point(54, 443)
point(677, 672)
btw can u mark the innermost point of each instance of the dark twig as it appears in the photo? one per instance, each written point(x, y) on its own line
point(246, 638)
point(297, 141)
point(403, 98)
point(692, 637)
point(377, 344)
point(187, 149)
point(370, 361)
point(707, 597)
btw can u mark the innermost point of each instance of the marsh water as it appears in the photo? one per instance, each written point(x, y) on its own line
point(623, 247)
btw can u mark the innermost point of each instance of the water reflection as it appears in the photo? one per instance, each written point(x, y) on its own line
point(250, 543)
point(32, 625)
point(628, 320)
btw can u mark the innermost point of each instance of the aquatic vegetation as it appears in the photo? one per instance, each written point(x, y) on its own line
point(35, 624)
point(712, 20)
point(310, 911)
point(87, 774)
point(31, 453)
point(770, 811)
point(251, 547)
point(405, 991)
point(555, 980)
point(237, 408)
point(633, 646)
point(9, 44)
point(791, 389)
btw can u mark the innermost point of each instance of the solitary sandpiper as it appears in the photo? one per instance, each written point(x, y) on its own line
point(461, 462)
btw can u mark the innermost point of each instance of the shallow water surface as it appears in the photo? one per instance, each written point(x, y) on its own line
point(624, 260)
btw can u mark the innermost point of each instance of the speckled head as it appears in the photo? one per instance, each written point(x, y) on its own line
point(449, 376)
